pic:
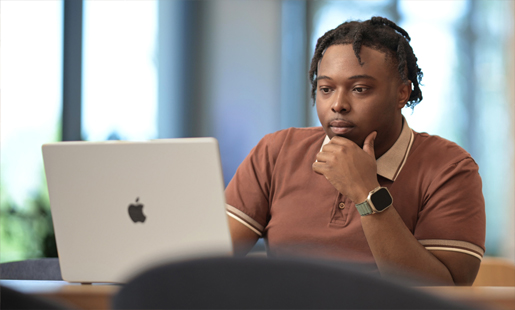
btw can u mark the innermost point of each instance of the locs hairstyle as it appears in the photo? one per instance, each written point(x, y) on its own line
point(380, 34)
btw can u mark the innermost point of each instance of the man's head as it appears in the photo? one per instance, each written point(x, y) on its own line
point(362, 76)
point(377, 33)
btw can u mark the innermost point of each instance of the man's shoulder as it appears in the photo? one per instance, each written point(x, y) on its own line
point(435, 148)
point(295, 134)
point(291, 140)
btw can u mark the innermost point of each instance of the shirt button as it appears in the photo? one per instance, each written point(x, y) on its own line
point(341, 205)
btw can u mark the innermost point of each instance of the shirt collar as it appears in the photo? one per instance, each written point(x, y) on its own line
point(390, 164)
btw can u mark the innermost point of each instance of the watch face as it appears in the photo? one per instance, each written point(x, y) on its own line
point(381, 199)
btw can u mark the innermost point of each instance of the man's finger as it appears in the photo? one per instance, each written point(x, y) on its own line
point(321, 157)
point(317, 167)
point(368, 145)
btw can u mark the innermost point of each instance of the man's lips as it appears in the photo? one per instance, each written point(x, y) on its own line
point(340, 127)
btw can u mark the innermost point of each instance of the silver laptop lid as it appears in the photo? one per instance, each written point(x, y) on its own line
point(121, 207)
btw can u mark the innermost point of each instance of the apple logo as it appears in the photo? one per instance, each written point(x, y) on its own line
point(136, 212)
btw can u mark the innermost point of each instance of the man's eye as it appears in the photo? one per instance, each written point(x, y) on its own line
point(325, 90)
point(360, 89)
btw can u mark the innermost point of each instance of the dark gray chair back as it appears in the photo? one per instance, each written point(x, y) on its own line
point(260, 283)
point(31, 269)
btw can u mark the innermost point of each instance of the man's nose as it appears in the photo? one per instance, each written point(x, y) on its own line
point(340, 104)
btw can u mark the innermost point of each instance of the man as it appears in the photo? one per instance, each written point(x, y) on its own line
point(364, 187)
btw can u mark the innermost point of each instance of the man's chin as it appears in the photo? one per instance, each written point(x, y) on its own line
point(358, 141)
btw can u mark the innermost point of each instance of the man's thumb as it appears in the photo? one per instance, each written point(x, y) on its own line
point(368, 145)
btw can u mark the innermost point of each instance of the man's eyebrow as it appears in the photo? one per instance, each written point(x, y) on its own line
point(362, 76)
point(323, 77)
point(354, 77)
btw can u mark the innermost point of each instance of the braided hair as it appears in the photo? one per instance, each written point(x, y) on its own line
point(380, 34)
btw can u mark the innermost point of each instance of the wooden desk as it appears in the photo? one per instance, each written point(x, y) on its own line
point(98, 296)
point(500, 297)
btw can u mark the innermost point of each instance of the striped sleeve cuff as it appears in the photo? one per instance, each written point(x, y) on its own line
point(454, 246)
point(244, 219)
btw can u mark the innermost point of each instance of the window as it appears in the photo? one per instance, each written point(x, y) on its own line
point(31, 65)
point(119, 70)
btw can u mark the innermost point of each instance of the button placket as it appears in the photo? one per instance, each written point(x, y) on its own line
point(340, 210)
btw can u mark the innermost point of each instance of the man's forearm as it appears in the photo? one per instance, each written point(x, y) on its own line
point(396, 250)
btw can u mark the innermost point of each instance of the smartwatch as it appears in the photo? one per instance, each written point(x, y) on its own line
point(378, 200)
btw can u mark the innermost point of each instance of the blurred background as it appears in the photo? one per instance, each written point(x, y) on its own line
point(235, 70)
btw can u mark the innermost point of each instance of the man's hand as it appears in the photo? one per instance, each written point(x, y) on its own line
point(350, 169)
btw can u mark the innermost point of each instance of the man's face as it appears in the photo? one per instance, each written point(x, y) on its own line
point(353, 100)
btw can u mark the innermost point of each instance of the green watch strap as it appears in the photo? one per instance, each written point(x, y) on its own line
point(364, 208)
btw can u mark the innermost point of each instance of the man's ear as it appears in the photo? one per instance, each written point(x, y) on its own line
point(404, 92)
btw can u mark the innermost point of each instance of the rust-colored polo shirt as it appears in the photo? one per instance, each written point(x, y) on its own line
point(435, 185)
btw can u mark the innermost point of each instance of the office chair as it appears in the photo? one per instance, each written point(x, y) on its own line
point(260, 283)
point(31, 269)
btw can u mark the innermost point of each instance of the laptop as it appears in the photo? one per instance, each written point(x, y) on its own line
point(119, 208)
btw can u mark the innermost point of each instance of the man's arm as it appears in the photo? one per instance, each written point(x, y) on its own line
point(243, 238)
point(353, 172)
point(397, 252)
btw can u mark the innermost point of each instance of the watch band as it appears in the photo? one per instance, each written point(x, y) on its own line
point(364, 208)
